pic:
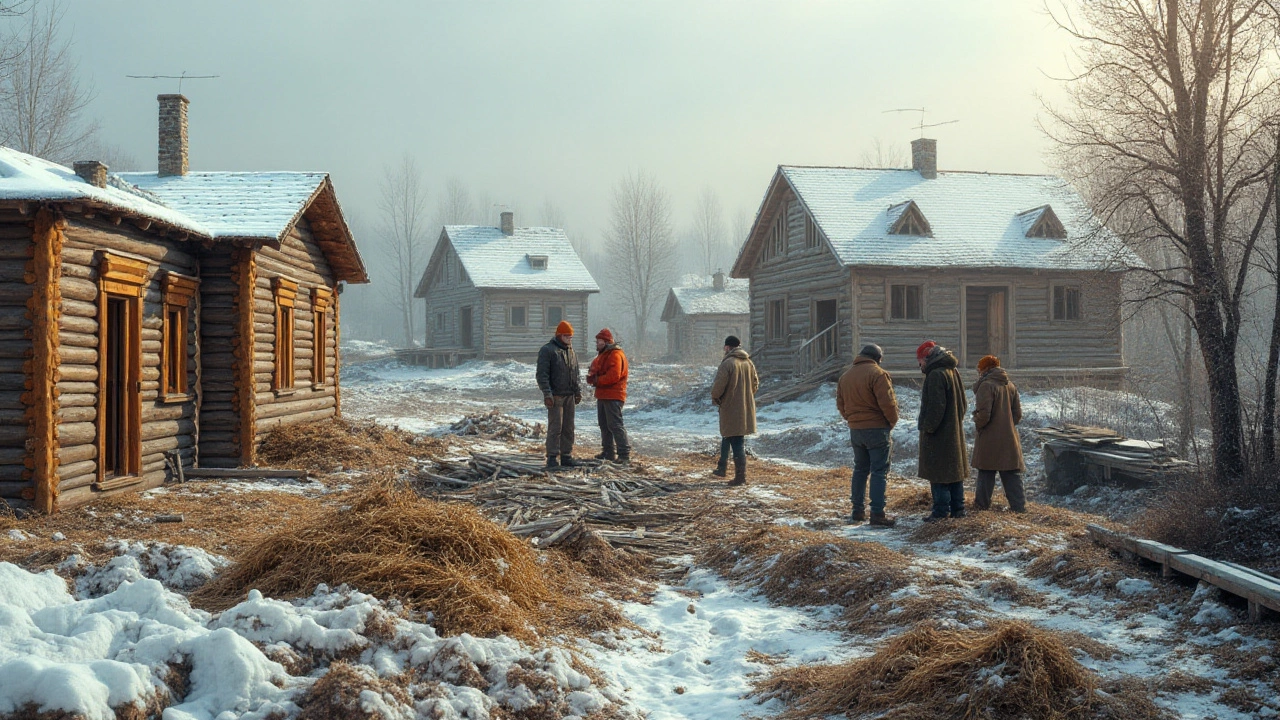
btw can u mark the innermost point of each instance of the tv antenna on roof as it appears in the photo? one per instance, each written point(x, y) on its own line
point(179, 78)
point(922, 124)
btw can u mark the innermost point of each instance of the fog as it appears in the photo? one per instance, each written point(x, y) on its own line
point(530, 104)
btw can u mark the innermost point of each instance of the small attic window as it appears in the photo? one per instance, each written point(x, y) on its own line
point(537, 262)
point(906, 219)
point(1043, 222)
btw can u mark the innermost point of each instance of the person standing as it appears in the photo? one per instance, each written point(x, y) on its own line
point(734, 394)
point(559, 381)
point(944, 458)
point(866, 401)
point(608, 375)
point(997, 410)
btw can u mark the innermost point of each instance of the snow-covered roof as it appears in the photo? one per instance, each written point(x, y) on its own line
point(26, 177)
point(697, 295)
point(236, 204)
point(976, 220)
point(497, 261)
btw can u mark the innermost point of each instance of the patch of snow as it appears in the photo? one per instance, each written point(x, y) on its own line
point(1135, 586)
point(177, 567)
point(17, 535)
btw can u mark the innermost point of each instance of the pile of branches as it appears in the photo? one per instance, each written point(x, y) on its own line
point(613, 503)
point(496, 425)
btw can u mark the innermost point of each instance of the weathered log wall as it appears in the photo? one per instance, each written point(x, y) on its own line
point(219, 421)
point(502, 340)
point(16, 462)
point(449, 291)
point(700, 338)
point(168, 424)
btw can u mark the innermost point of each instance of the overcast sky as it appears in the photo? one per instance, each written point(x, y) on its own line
point(548, 100)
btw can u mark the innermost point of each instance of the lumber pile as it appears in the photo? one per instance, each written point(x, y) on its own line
point(1111, 453)
point(496, 425)
point(793, 388)
point(618, 504)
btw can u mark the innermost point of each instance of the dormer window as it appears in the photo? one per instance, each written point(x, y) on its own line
point(537, 262)
point(1042, 222)
point(905, 218)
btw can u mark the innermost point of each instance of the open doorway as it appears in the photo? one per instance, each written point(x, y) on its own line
point(825, 315)
point(119, 417)
point(986, 323)
point(464, 327)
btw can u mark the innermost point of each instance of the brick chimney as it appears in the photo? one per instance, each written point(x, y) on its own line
point(92, 171)
point(508, 223)
point(717, 281)
point(173, 136)
point(924, 157)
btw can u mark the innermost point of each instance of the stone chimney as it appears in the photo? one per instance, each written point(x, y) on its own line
point(173, 136)
point(93, 172)
point(717, 281)
point(508, 223)
point(924, 157)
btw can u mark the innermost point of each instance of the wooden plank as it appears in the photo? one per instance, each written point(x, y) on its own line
point(206, 472)
point(1249, 586)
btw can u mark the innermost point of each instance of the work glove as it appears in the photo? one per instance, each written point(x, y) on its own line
point(549, 401)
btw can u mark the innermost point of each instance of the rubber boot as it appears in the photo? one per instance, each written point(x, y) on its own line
point(739, 472)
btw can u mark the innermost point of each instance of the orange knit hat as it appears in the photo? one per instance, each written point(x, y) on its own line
point(564, 328)
point(988, 362)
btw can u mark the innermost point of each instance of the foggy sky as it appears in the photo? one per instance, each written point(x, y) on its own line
point(555, 100)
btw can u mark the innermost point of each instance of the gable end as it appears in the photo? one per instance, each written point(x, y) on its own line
point(906, 218)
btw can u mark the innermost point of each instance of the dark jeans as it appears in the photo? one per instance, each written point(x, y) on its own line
point(560, 426)
point(1013, 490)
point(871, 451)
point(738, 443)
point(613, 434)
point(947, 498)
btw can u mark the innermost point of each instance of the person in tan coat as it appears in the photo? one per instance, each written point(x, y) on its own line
point(997, 410)
point(734, 393)
point(865, 399)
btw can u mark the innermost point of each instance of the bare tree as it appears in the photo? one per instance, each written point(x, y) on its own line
point(550, 215)
point(1272, 267)
point(455, 206)
point(403, 229)
point(880, 155)
point(708, 230)
point(42, 102)
point(1167, 122)
point(641, 247)
point(741, 226)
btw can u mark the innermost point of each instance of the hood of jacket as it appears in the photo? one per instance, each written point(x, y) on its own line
point(739, 353)
point(940, 359)
point(610, 348)
point(996, 375)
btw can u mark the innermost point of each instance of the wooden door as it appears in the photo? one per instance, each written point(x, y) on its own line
point(464, 326)
point(997, 323)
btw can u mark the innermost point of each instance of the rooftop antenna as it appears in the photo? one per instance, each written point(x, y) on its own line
point(921, 127)
point(179, 78)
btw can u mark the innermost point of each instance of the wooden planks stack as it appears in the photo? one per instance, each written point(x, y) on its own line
point(618, 504)
point(1140, 459)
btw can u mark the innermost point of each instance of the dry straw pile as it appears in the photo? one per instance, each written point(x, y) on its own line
point(326, 444)
point(448, 560)
point(1009, 670)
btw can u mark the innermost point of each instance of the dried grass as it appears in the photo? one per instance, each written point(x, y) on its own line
point(326, 445)
point(471, 574)
point(936, 673)
point(337, 695)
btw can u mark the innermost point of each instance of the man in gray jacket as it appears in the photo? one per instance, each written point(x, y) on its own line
point(558, 379)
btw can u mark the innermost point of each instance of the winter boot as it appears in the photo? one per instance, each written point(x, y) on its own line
point(568, 461)
point(606, 455)
point(739, 472)
point(881, 520)
point(722, 468)
point(857, 516)
point(623, 460)
point(552, 463)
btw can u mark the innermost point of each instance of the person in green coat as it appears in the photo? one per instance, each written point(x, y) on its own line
point(944, 456)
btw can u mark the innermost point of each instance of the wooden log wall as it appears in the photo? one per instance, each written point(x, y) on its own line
point(523, 343)
point(17, 252)
point(702, 336)
point(219, 441)
point(166, 425)
point(800, 277)
point(449, 292)
point(297, 258)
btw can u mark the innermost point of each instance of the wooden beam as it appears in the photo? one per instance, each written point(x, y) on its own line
point(219, 473)
point(243, 350)
point(45, 306)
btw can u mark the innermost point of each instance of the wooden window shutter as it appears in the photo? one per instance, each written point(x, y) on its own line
point(286, 295)
point(321, 298)
point(179, 291)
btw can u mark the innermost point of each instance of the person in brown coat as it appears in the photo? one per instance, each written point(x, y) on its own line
point(944, 456)
point(997, 410)
point(734, 393)
point(865, 399)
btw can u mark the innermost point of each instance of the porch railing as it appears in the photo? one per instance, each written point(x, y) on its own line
point(818, 349)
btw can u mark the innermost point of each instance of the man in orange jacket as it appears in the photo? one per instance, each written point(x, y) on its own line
point(608, 375)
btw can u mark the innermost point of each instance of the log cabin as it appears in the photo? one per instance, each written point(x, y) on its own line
point(983, 263)
point(701, 313)
point(151, 322)
point(499, 293)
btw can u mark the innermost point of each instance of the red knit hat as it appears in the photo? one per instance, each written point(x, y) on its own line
point(564, 328)
point(923, 351)
point(988, 362)
point(605, 335)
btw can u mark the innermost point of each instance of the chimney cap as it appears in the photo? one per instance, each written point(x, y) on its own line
point(173, 96)
point(93, 172)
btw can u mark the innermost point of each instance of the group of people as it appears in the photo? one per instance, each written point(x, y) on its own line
point(864, 398)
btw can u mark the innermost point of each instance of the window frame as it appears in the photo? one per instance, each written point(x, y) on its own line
point(775, 243)
point(124, 279)
point(546, 315)
point(511, 321)
point(812, 235)
point(890, 285)
point(284, 375)
point(775, 327)
point(179, 292)
point(1066, 287)
point(321, 299)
